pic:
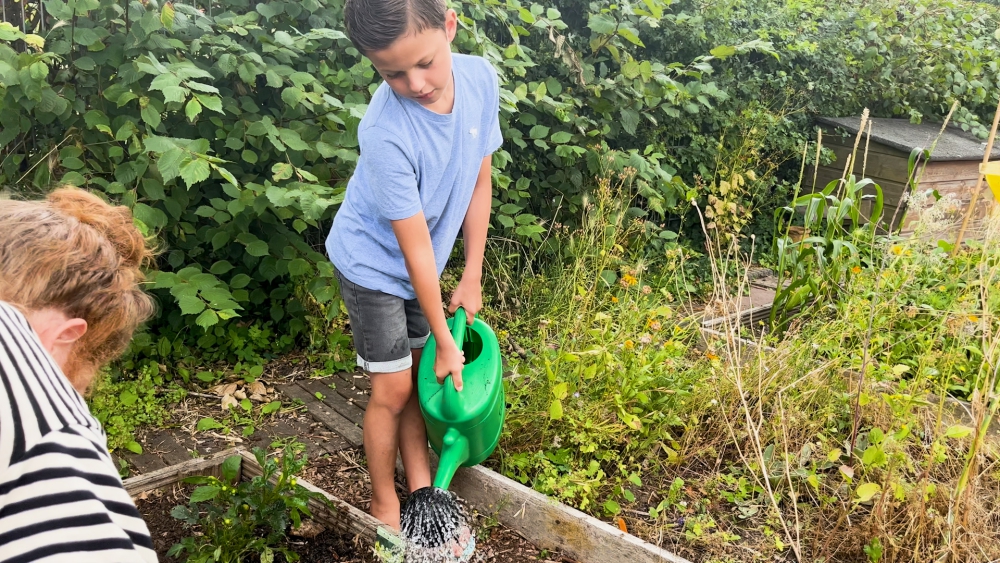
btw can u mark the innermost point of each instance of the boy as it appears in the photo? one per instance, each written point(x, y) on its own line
point(424, 173)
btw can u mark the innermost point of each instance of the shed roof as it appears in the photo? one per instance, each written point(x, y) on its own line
point(954, 143)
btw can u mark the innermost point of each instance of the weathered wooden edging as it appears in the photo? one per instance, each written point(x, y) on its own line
point(550, 524)
point(342, 517)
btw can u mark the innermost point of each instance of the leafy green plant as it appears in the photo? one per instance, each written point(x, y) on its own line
point(834, 244)
point(237, 518)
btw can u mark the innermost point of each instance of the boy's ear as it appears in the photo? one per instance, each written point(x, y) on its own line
point(450, 24)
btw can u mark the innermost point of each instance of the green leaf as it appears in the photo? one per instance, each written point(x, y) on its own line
point(195, 171)
point(561, 137)
point(602, 23)
point(192, 109)
point(221, 267)
point(128, 398)
point(240, 281)
point(208, 424)
point(191, 305)
point(246, 405)
point(957, 431)
point(207, 319)
point(866, 491)
point(270, 407)
point(150, 116)
point(213, 103)
point(134, 447)
point(612, 507)
point(630, 36)
point(630, 120)
point(282, 171)
point(723, 51)
point(231, 468)
point(167, 16)
point(257, 248)
point(299, 267)
point(205, 492)
point(555, 409)
point(539, 132)
point(85, 63)
point(292, 96)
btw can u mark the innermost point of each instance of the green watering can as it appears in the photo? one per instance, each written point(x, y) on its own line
point(463, 428)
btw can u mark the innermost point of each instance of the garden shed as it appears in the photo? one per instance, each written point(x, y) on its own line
point(952, 171)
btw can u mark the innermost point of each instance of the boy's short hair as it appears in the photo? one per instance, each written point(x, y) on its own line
point(373, 25)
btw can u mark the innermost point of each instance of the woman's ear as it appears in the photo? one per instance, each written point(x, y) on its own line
point(450, 24)
point(68, 332)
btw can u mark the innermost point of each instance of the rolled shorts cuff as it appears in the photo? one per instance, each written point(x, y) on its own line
point(390, 366)
point(419, 342)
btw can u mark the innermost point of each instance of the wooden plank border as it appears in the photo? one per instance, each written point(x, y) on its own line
point(552, 525)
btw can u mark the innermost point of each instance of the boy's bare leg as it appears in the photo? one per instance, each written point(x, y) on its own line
point(413, 437)
point(390, 396)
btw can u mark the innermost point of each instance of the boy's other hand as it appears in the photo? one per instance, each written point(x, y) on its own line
point(469, 296)
point(448, 360)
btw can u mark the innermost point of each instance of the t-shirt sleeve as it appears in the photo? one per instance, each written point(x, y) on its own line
point(63, 502)
point(491, 112)
point(390, 174)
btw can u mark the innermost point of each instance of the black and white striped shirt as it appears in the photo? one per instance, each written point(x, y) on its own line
point(61, 499)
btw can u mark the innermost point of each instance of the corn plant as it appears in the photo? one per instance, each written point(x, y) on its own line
point(836, 240)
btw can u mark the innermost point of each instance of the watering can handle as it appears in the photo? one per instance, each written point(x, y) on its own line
point(458, 327)
point(452, 406)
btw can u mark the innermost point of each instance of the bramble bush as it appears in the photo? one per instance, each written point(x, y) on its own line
point(230, 134)
point(230, 128)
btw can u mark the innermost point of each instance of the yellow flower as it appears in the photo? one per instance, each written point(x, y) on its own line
point(629, 344)
point(856, 269)
point(942, 288)
point(896, 249)
point(614, 299)
point(629, 280)
point(973, 319)
point(711, 356)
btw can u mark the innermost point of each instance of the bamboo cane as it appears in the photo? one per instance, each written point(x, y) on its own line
point(979, 183)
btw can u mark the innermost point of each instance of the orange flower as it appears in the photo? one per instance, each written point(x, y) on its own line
point(711, 356)
point(856, 269)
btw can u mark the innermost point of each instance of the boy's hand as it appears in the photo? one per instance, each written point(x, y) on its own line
point(469, 296)
point(448, 360)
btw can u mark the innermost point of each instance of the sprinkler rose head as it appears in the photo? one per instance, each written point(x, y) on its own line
point(434, 525)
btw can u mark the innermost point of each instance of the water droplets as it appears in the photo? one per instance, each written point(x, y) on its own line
point(435, 528)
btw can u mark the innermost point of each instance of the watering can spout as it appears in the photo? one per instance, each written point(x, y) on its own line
point(454, 452)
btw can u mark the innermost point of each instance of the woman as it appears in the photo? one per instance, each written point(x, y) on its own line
point(70, 269)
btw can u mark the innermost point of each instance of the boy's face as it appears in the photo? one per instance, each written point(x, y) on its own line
point(418, 65)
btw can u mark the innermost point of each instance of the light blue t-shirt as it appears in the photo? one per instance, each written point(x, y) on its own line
point(413, 160)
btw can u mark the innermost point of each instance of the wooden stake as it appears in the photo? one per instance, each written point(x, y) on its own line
point(979, 183)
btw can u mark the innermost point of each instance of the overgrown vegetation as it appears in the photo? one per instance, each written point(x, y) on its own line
point(649, 145)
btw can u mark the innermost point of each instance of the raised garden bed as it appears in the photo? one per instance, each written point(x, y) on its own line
point(350, 532)
point(534, 527)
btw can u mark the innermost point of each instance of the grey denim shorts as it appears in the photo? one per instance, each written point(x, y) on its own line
point(385, 327)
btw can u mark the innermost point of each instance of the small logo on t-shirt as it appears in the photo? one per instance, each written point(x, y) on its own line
point(474, 132)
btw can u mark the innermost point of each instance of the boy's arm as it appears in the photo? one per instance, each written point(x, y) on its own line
point(418, 253)
point(469, 293)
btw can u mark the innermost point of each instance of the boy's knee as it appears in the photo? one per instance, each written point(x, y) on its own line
point(392, 390)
